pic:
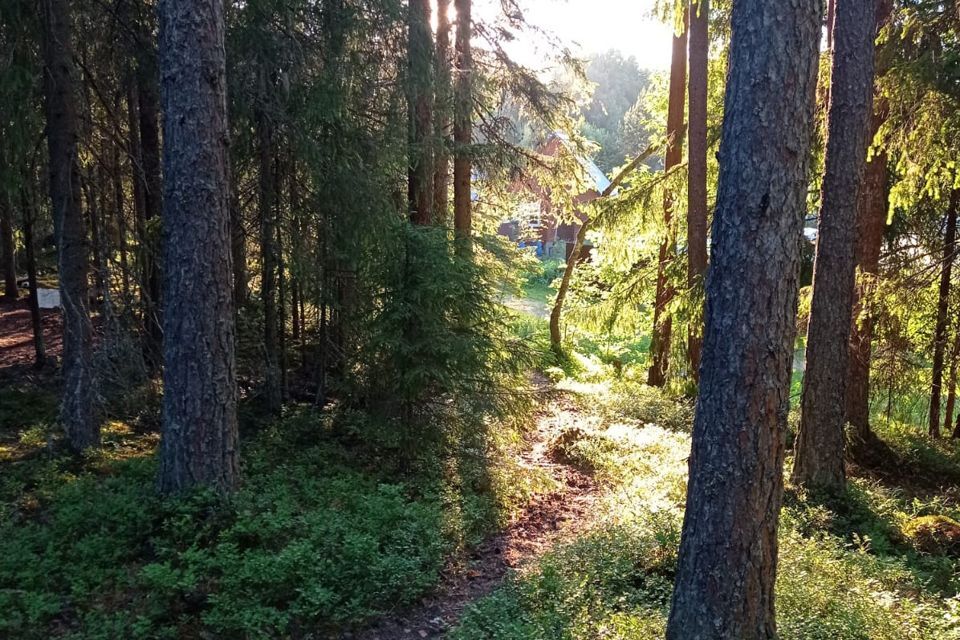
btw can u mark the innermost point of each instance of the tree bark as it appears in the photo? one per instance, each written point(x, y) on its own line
point(420, 103)
point(662, 323)
point(819, 454)
point(79, 389)
point(724, 587)
point(943, 298)
point(697, 168)
point(463, 126)
point(871, 219)
point(442, 108)
point(199, 440)
point(8, 249)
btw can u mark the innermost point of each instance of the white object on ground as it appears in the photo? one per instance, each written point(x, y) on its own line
point(48, 298)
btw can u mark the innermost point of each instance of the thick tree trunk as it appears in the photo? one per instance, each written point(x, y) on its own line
point(79, 388)
point(662, 323)
point(697, 168)
point(442, 109)
point(463, 125)
point(820, 440)
point(943, 299)
point(728, 551)
point(871, 219)
point(199, 441)
point(8, 249)
point(420, 104)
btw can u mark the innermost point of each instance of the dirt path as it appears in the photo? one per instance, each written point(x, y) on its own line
point(545, 520)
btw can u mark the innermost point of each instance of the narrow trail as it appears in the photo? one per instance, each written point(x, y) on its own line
point(539, 525)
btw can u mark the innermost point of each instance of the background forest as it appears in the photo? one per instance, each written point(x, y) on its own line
point(354, 319)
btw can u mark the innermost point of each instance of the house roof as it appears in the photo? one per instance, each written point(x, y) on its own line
point(596, 174)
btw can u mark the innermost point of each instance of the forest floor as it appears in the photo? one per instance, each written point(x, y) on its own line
point(562, 524)
point(547, 519)
point(16, 333)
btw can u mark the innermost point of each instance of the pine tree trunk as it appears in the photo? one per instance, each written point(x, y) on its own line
point(148, 111)
point(463, 125)
point(871, 219)
point(268, 256)
point(8, 250)
point(662, 323)
point(79, 388)
point(697, 167)
point(199, 440)
point(420, 103)
point(442, 109)
point(940, 332)
point(724, 586)
point(819, 452)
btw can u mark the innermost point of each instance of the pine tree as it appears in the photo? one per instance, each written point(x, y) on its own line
point(726, 571)
point(820, 439)
point(199, 439)
point(463, 123)
point(59, 82)
point(697, 164)
point(662, 323)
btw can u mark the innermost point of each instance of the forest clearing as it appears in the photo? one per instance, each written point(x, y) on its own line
point(479, 319)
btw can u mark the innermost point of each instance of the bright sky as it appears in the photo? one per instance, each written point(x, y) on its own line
point(593, 26)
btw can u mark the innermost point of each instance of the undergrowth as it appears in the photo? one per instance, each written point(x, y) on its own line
point(321, 536)
point(851, 567)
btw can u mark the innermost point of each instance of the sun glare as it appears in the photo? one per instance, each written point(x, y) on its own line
point(586, 27)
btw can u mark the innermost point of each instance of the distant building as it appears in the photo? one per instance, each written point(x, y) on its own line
point(533, 223)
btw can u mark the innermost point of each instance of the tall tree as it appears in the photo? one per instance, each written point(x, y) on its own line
point(820, 439)
point(662, 323)
point(728, 550)
point(871, 219)
point(463, 123)
point(8, 249)
point(420, 104)
point(199, 440)
point(697, 165)
point(269, 254)
point(441, 176)
point(59, 88)
point(943, 298)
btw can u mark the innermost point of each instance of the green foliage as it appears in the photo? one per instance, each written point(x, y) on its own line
point(438, 358)
point(322, 535)
point(847, 570)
